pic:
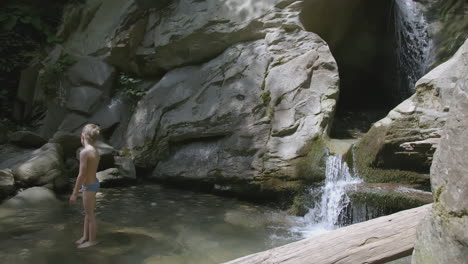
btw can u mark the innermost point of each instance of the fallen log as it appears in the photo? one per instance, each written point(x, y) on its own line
point(375, 241)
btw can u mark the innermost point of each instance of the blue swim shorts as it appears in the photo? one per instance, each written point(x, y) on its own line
point(93, 187)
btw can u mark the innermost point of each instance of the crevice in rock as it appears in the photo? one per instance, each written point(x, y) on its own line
point(196, 139)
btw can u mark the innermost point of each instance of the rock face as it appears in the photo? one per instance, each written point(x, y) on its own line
point(240, 116)
point(85, 90)
point(7, 183)
point(27, 139)
point(401, 146)
point(44, 166)
point(448, 26)
point(443, 236)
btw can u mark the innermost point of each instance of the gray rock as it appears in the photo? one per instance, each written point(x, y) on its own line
point(175, 34)
point(102, 20)
point(73, 123)
point(26, 92)
point(126, 167)
point(91, 71)
point(84, 99)
point(54, 117)
point(113, 177)
point(245, 115)
point(443, 236)
point(407, 138)
point(447, 26)
point(7, 183)
point(35, 196)
point(72, 166)
point(181, 37)
point(43, 166)
point(27, 139)
point(11, 155)
point(110, 114)
point(70, 142)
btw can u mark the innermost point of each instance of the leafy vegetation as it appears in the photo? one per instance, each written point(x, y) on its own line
point(131, 87)
point(26, 27)
point(50, 80)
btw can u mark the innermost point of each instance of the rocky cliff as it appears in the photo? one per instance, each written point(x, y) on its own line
point(230, 93)
point(442, 237)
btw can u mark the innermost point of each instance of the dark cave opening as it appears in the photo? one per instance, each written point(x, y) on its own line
point(361, 37)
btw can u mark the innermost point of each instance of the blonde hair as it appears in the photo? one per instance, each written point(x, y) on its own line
point(91, 132)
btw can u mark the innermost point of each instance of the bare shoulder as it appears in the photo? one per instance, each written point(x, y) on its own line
point(86, 152)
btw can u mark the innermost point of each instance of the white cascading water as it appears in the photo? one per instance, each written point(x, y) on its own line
point(413, 43)
point(324, 216)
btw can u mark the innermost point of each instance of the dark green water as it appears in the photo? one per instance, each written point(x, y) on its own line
point(144, 224)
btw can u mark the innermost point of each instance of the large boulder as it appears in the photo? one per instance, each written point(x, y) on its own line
point(247, 115)
point(27, 139)
point(176, 33)
point(83, 99)
point(125, 166)
point(85, 85)
point(123, 173)
point(114, 177)
point(70, 142)
point(400, 147)
point(44, 167)
point(35, 196)
point(443, 235)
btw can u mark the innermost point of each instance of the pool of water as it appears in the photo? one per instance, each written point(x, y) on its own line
point(146, 224)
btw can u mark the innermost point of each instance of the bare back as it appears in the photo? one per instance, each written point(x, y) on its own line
point(89, 162)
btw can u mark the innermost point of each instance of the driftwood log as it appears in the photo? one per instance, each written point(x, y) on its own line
point(375, 241)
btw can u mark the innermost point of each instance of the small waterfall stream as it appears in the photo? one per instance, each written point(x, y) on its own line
point(330, 198)
point(412, 45)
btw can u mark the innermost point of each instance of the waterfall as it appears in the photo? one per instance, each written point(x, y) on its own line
point(331, 199)
point(412, 45)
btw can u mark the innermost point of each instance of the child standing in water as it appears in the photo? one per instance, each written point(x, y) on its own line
point(89, 184)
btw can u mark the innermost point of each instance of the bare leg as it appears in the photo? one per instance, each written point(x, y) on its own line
point(89, 198)
point(84, 238)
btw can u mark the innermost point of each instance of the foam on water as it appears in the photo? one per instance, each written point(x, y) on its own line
point(324, 215)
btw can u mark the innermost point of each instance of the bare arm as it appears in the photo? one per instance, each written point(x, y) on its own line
point(81, 175)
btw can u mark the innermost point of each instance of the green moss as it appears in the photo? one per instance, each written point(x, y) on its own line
point(438, 193)
point(279, 100)
point(131, 87)
point(311, 165)
point(459, 214)
point(266, 97)
point(387, 202)
point(279, 62)
point(366, 152)
point(126, 152)
point(298, 206)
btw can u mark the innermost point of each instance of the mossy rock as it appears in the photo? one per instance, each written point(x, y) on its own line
point(311, 167)
point(385, 202)
point(364, 156)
